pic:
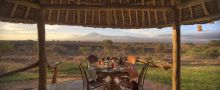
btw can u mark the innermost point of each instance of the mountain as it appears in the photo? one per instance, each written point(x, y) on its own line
point(100, 37)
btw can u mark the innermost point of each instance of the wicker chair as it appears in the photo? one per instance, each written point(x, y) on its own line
point(135, 85)
point(90, 85)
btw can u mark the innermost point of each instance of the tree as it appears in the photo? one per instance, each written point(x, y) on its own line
point(159, 48)
point(5, 47)
point(84, 50)
point(97, 51)
point(214, 43)
point(127, 48)
point(107, 45)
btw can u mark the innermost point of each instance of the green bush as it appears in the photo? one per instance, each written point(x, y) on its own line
point(203, 52)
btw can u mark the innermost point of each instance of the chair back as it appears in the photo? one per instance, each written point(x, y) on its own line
point(142, 76)
point(84, 76)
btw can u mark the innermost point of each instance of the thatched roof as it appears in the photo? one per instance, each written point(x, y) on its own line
point(112, 13)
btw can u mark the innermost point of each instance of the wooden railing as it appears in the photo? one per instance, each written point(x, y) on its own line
point(53, 67)
point(20, 70)
point(157, 65)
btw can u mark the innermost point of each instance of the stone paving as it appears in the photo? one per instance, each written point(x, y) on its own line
point(77, 85)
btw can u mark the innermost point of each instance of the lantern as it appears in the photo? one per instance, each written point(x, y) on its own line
point(199, 28)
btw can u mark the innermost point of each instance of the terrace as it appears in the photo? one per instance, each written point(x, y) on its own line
point(122, 14)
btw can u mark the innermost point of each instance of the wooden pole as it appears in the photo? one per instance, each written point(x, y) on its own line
point(176, 53)
point(42, 53)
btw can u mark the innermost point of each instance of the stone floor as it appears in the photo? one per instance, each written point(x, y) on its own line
point(77, 85)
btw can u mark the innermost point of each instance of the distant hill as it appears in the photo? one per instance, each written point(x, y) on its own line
point(100, 37)
point(202, 37)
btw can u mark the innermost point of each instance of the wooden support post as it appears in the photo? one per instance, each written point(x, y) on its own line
point(176, 53)
point(42, 53)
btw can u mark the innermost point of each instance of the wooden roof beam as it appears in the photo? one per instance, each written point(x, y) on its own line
point(49, 13)
point(180, 15)
point(149, 19)
point(27, 12)
point(107, 7)
point(67, 12)
point(143, 19)
point(205, 18)
point(164, 12)
point(108, 19)
point(136, 14)
point(66, 17)
point(218, 3)
point(58, 14)
point(116, 23)
point(192, 3)
point(165, 16)
point(85, 16)
point(123, 17)
point(93, 16)
point(205, 9)
point(78, 16)
point(99, 17)
point(13, 10)
point(74, 16)
point(191, 12)
point(25, 3)
point(130, 17)
point(142, 2)
point(155, 12)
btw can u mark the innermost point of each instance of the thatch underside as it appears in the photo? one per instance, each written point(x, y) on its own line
point(112, 13)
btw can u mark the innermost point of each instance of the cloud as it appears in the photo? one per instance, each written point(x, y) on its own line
point(196, 37)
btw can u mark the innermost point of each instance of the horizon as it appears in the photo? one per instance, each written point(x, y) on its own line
point(189, 33)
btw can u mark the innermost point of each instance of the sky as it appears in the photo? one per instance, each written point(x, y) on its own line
point(11, 31)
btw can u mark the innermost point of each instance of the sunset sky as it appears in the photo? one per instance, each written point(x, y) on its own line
point(10, 31)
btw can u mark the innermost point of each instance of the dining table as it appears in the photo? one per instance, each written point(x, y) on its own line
point(112, 73)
